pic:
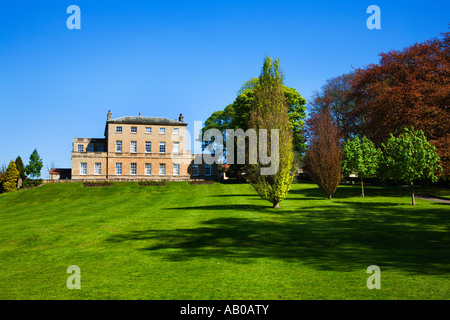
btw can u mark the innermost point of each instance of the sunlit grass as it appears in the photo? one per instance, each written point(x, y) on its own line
point(221, 241)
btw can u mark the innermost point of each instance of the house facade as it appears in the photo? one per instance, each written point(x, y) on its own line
point(138, 148)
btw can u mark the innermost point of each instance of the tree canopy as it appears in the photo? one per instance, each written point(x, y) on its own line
point(269, 111)
point(360, 156)
point(410, 157)
point(35, 165)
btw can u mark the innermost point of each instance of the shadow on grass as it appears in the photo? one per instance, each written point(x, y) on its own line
point(351, 191)
point(382, 234)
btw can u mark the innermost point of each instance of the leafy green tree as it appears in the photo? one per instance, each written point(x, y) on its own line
point(11, 177)
point(20, 166)
point(236, 115)
point(35, 165)
point(220, 120)
point(269, 111)
point(361, 157)
point(409, 157)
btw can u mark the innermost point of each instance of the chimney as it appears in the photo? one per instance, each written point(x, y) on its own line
point(180, 118)
point(139, 114)
point(109, 114)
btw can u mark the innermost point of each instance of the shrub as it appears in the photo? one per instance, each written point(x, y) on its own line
point(31, 183)
point(97, 184)
point(151, 183)
point(10, 178)
point(202, 182)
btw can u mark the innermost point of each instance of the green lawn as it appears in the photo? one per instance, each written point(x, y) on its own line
point(221, 241)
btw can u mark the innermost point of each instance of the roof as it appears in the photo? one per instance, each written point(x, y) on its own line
point(60, 171)
point(146, 120)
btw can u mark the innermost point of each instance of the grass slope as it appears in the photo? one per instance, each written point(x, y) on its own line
point(221, 241)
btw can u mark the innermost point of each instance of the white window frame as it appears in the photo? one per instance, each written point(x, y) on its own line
point(162, 130)
point(118, 168)
point(133, 144)
point(97, 166)
point(132, 131)
point(148, 144)
point(133, 165)
point(83, 168)
point(176, 130)
point(119, 129)
point(176, 151)
point(163, 145)
point(148, 130)
point(148, 169)
point(176, 172)
point(162, 169)
point(80, 148)
point(119, 143)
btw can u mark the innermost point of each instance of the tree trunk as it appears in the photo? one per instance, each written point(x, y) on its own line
point(412, 195)
point(330, 196)
point(362, 188)
point(276, 205)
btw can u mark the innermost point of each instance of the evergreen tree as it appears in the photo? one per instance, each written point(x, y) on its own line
point(20, 167)
point(35, 166)
point(11, 177)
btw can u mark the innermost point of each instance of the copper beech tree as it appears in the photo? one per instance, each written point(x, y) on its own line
point(407, 88)
point(324, 154)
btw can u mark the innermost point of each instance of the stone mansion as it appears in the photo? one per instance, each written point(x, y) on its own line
point(138, 148)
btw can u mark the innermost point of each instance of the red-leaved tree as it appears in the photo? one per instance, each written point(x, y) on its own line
point(324, 154)
point(407, 88)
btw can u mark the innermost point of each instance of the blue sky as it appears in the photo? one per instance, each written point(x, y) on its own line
point(163, 58)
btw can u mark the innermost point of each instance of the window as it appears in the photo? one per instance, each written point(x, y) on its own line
point(133, 129)
point(90, 147)
point(162, 169)
point(162, 147)
point(148, 130)
point(207, 170)
point(97, 168)
point(176, 169)
point(80, 148)
point(162, 130)
point(176, 130)
point(176, 147)
point(99, 148)
point(195, 169)
point(133, 147)
point(148, 146)
point(133, 169)
point(118, 129)
point(83, 168)
point(118, 168)
point(148, 168)
point(118, 146)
